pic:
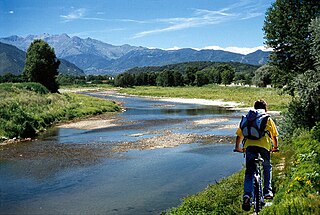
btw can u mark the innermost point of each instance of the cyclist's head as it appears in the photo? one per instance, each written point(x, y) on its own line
point(260, 104)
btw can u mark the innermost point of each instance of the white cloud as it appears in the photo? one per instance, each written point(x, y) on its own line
point(242, 10)
point(74, 15)
point(11, 12)
point(240, 50)
point(77, 14)
point(200, 18)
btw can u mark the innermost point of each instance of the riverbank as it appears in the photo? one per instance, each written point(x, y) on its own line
point(28, 109)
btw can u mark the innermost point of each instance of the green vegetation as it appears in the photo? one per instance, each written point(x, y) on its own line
point(298, 191)
point(287, 31)
point(42, 65)
point(225, 197)
point(28, 108)
point(244, 95)
point(187, 74)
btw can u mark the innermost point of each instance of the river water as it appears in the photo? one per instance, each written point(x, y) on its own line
point(106, 171)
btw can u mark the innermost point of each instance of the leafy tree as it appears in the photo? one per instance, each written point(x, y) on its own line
point(227, 74)
point(165, 78)
point(9, 77)
point(262, 76)
point(152, 78)
point(42, 65)
point(125, 80)
point(178, 78)
point(190, 77)
point(69, 80)
point(315, 42)
point(201, 78)
point(304, 110)
point(141, 79)
point(286, 31)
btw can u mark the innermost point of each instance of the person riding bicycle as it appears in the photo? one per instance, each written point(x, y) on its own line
point(253, 147)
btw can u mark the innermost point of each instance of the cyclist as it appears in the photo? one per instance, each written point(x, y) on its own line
point(252, 148)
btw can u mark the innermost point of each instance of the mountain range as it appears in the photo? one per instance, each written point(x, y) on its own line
point(12, 61)
point(96, 57)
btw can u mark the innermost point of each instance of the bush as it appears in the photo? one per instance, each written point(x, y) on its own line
point(304, 109)
point(315, 132)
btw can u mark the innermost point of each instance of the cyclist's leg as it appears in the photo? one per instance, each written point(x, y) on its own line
point(251, 154)
point(267, 171)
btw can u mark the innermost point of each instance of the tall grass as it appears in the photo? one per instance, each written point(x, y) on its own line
point(28, 108)
point(244, 95)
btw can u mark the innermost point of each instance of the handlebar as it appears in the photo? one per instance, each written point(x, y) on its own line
point(234, 150)
point(243, 150)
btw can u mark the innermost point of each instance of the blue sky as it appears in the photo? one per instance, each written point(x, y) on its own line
point(166, 24)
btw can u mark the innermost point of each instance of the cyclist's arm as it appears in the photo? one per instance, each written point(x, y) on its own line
point(237, 146)
point(275, 143)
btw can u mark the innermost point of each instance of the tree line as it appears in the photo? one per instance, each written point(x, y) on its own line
point(180, 75)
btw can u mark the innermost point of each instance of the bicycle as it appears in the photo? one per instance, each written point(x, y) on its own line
point(258, 199)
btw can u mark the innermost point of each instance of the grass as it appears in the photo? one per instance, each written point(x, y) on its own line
point(244, 95)
point(28, 108)
point(224, 197)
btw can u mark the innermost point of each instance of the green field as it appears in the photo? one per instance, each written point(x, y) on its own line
point(244, 95)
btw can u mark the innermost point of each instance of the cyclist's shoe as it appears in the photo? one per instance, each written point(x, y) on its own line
point(246, 205)
point(268, 195)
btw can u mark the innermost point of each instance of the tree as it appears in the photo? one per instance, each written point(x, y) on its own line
point(165, 78)
point(286, 31)
point(124, 80)
point(42, 65)
point(227, 74)
point(190, 77)
point(178, 78)
point(262, 76)
point(201, 78)
point(315, 42)
point(304, 109)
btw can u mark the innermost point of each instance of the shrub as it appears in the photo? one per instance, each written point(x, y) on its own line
point(316, 131)
point(304, 109)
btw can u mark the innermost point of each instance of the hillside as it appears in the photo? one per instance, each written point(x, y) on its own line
point(13, 59)
point(96, 57)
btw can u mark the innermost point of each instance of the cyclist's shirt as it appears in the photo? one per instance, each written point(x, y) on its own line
point(265, 141)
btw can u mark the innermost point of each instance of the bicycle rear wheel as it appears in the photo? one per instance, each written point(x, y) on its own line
point(257, 195)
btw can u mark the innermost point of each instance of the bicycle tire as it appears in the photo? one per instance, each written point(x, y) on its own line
point(257, 195)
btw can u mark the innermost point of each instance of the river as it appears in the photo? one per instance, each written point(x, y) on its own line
point(135, 166)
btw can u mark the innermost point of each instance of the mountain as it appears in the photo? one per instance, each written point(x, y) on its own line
point(12, 60)
point(96, 57)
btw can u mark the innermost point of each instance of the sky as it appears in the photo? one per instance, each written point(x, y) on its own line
point(233, 25)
